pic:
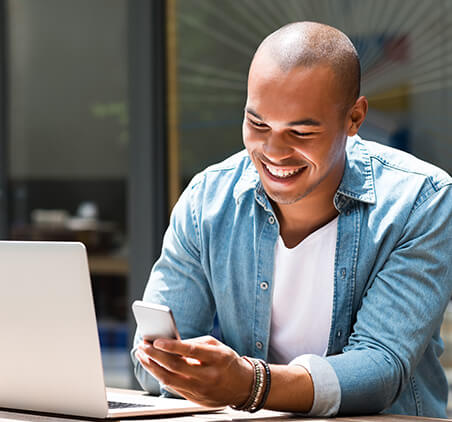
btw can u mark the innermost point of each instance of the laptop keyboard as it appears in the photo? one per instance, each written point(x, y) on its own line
point(124, 405)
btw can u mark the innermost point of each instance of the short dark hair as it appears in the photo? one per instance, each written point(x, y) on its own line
point(310, 44)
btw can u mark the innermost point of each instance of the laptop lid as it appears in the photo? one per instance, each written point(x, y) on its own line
point(50, 357)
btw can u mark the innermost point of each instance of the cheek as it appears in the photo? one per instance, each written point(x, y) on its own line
point(245, 134)
point(335, 154)
point(311, 151)
point(321, 153)
point(248, 139)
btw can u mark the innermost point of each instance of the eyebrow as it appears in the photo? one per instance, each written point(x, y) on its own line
point(301, 122)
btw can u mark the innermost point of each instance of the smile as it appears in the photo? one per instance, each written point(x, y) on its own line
point(282, 173)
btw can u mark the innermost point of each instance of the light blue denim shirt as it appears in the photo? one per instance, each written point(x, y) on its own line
point(392, 277)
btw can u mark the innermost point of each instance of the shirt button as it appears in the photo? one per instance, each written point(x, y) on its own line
point(264, 285)
point(348, 212)
point(271, 219)
point(339, 333)
point(259, 345)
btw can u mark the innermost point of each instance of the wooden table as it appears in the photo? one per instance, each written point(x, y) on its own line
point(227, 415)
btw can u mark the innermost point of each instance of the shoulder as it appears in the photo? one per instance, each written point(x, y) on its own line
point(396, 174)
point(229, 167)
point(220, 179)
point(218, 186)
point(399, 161)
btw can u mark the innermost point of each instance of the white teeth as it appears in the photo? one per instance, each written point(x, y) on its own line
point(282, 173)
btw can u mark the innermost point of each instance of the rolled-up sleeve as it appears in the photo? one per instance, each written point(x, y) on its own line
point(327, 391)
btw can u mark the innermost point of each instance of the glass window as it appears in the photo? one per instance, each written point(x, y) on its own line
point(405, 49)
point(68, 144)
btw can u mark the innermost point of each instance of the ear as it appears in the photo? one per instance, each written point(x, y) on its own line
point(357, 115)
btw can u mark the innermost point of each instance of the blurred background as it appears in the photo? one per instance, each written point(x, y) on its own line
point(109, 107)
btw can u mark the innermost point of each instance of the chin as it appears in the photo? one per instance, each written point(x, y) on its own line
point(285, 199)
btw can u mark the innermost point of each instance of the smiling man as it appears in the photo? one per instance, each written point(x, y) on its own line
point(325, 258)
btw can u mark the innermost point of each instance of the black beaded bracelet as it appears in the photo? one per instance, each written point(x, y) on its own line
point(268, 382)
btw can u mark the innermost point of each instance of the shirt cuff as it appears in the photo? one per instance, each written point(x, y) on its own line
point(327, 391)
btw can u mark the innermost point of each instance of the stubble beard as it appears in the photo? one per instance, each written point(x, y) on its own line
point(282, 200)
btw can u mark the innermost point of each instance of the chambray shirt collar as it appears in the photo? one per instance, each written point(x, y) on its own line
point(249, 180)
point(357, 182)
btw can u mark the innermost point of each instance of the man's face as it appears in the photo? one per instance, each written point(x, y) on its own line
point(295, 130)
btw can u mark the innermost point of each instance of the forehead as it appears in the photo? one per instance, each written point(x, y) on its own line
point(299, 92)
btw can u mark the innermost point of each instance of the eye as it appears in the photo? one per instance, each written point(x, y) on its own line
point(257, 124)
point(301, 134)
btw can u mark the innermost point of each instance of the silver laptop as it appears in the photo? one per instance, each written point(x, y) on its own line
point(50, 357)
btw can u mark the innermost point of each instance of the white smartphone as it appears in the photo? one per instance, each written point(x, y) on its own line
point(154, 321)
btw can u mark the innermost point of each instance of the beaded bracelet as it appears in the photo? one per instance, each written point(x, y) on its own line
point(268, 382)
point(260, 387)
point(255, 388)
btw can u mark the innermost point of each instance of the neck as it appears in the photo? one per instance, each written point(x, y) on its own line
point(297, 221)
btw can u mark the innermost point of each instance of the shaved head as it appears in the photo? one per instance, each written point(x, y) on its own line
point(309, 44)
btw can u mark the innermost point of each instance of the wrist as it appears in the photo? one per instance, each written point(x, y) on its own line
point(260, 387)
point(246, 382)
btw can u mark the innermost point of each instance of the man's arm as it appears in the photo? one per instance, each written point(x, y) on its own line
point(396, 321)
point(400, 311)
point(208, 372)
point(178, 280)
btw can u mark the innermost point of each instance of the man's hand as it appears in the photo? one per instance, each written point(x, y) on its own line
point(202, 369)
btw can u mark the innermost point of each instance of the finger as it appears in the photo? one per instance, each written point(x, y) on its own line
point(201, 340)
point(149, 345)
point(159, 372)
point(161, 356)
point(204, 339)
point(178, 383)
point(172, 362)
point(200, 351)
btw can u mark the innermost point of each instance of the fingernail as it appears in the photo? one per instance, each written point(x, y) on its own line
point(160, 344)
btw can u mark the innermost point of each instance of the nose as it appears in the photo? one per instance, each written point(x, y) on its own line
point(276, 148)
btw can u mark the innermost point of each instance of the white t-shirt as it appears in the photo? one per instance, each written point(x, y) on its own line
point(303, 296)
